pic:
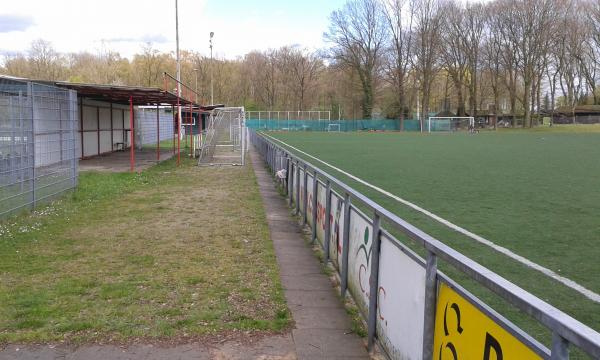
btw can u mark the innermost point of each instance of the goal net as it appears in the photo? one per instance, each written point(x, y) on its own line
point(225, 142)
point(450, 123)
point(333, 127)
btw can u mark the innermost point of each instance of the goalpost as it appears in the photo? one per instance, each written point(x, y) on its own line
point(333, 127)
point(225, 142)
point(450, 123)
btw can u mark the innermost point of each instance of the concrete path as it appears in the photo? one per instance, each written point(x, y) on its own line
point(268, 348)
point(322, 328)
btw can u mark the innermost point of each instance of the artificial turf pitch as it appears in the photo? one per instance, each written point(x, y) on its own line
point(536, 193)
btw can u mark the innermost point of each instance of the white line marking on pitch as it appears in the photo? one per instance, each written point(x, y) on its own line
point(566, 281)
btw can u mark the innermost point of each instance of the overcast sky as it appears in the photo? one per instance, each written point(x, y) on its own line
point(125, 25)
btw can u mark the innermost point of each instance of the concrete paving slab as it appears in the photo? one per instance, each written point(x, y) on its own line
point(327, 343)
point(283, 226)
point(295, 259)
point(316, 298)
point(320, 317)
point(286, 236)
point(306, 282)
point(298, 269)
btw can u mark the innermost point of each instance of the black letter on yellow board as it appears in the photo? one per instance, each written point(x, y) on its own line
point(491, 343)
point(456, 309)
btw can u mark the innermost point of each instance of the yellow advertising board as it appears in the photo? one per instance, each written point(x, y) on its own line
point(463, 332)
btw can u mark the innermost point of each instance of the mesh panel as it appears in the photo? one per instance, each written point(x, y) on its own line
point(38, 144)
point(320, 121)
point(225, 141)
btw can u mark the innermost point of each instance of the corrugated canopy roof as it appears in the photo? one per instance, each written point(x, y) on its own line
point(121, 94)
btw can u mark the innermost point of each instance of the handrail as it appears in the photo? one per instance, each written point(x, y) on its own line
point(561, 324)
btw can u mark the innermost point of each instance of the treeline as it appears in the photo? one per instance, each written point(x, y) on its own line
point(519, 57)
point(385, 58)
point(290, 77)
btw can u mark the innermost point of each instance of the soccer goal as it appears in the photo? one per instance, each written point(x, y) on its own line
point(450, 123)
point(333, 127)
point(225, 142)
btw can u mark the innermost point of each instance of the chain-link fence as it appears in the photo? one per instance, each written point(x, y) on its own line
point(38, 143)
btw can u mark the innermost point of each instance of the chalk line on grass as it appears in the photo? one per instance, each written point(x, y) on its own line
point(565, 281)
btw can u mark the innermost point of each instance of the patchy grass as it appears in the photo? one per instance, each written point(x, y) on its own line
point(166, 253)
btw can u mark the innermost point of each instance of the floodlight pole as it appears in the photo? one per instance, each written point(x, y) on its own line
point(196, 72)
point(178, 68)
point(212, 98)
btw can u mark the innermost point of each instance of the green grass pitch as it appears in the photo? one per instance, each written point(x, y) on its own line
point(536, 193)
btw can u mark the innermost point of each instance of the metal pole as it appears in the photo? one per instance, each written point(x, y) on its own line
point(374, 281)
point(297, 187)
point(112, 140)
point(174, 125)
point(191, 136)
point(560, 348)
point(34, 173)
point(72, 102)
point(291, 175)
point(345, 244)
point(178, 75)
point(287, 175)
point(314, 206)
point(212, 97)
point(157, 133)
point(196, 72)
point(178, 133)
point(305, 197)
point(131, 137)
point(430, 300)
point(326, 220)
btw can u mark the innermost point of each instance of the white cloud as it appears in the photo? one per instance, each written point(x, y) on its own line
point(125, 25)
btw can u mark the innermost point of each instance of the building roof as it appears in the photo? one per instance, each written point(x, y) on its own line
point(117, 94)
point(579, 110)
point(121, 94)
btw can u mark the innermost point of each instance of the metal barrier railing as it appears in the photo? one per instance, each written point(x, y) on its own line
point(428, 300)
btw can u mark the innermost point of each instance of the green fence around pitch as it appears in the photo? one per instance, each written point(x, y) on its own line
point(323, 125)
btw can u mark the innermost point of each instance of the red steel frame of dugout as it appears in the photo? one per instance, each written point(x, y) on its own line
point(131, 96)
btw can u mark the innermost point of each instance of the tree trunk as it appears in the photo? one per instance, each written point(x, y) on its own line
point(526, 102)
point(460, 108)
point(401, 104)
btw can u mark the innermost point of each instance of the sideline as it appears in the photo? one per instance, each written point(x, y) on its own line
point(565, 281)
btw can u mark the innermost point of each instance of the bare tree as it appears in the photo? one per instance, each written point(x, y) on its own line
point(590, 56)
point(150, 62)
point(492, 56)
point(528, 23)
point(400, 21)
point(302, 68)
point(568, 49)
point(45, 61)
point(358, 34)
point(474, 23)
point(425, 59)
point(454, 52)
